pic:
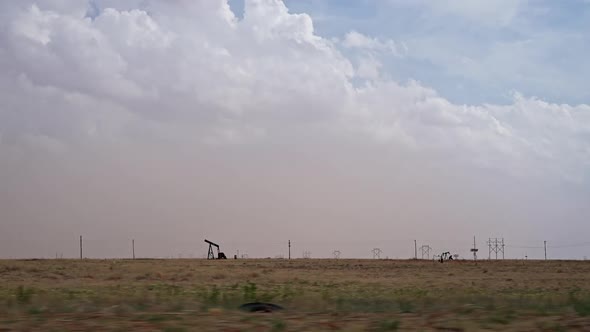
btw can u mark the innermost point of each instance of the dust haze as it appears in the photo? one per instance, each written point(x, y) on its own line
point(171, 123)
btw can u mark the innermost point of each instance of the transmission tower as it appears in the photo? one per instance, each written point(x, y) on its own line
point(307, 254)
point(376, 253)
point(495, 246)
point(336, 254)
point(425, 251)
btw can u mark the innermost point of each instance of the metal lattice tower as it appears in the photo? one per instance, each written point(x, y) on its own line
point(495, 246)
point(376, 253)
point(307, 254)
point(336, 254)
point(425, 251)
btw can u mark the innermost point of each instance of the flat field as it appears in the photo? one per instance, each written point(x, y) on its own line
point(317, 295)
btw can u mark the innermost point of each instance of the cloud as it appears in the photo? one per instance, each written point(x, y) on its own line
point(369, 68)
point(149, 111)
point(499, 12)
point(355, 39)
point(476, 52)
point(220, 79)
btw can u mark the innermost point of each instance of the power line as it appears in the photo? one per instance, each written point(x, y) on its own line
point(585, 244)
point(577, 245)
point(525, 247)
point(496, 247)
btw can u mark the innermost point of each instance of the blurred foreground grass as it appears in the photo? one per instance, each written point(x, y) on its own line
point(347, 295)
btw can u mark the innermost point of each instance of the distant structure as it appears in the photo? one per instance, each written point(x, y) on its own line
point(336, 254)
point(210, 254)
point(446, 256)
point(376, 253)
point(425, 251)
point(495, 246)
point(307, 254)
point(545, 246)
point(474, 250)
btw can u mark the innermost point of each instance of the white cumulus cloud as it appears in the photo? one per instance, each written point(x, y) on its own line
point(192, 71)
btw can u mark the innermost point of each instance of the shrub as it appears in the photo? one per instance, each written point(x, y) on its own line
point(388, 325)
point(24, 295)
point(250, 291)
point(278, 325)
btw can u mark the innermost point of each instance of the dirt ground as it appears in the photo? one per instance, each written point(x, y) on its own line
point(317, 295)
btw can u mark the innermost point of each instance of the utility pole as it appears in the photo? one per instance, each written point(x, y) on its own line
point(133, 247)
point(80, 246)
point(474, 250)
point(415, 250)
point(289, 249)
point(545, 245)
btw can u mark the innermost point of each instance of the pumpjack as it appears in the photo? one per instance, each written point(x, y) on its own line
point(445, 256)
point(210, 254)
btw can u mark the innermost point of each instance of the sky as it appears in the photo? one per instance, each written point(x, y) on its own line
point(337, 125)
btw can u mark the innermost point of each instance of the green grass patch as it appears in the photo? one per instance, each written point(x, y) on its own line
point(174, 329)
point(388, 325)
point(278, 325)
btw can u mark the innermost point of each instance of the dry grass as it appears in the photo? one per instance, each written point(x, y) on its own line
point(347, 295)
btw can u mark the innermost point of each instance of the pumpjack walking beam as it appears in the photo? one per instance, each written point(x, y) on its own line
point(211, 255)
